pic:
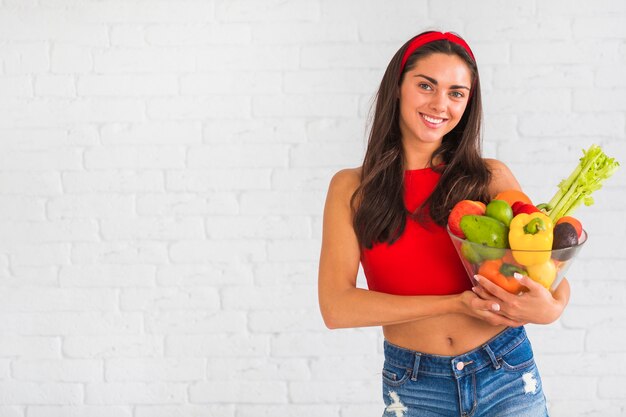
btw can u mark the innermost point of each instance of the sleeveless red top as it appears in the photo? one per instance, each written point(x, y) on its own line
point(423, 260)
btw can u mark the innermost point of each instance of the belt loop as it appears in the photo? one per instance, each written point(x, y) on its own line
point(416, 366)
point(494, 361)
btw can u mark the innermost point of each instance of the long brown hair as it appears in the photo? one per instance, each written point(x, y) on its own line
point(378, 204)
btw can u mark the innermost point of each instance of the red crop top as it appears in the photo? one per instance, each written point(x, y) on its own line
point(422, 261)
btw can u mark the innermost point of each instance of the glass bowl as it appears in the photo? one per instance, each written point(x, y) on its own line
point(498, 265)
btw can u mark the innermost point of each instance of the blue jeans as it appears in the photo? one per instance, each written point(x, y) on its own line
point(498, 379)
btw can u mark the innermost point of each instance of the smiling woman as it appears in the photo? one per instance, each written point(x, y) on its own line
point(447, 350)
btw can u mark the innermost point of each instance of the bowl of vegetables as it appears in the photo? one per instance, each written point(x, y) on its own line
point(510, 235)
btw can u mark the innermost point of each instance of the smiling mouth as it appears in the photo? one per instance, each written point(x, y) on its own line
point(433, 120)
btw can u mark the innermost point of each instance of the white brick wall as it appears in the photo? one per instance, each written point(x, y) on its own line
point(163, 168)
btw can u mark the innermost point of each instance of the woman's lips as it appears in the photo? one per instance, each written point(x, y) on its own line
point(432, 122)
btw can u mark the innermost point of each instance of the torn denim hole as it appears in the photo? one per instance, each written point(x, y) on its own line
point(396, 405)
point(530, 383)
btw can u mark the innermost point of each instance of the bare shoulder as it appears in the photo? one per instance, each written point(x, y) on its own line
point(345, 182)
point(502, 177)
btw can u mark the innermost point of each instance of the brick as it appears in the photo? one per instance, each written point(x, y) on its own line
point(302, 179)
point(238, 155)
point(282, 273)
point(74, 323)
point(25, 57)
point(300, 410)
point(347, 55)
point(333, 129)
point(239, 82)
point(168, 299)
point(145, 228)
point(213, 274)
point(541, 151)
point(187, 204)
point(60, 159)
point(61, 370)
point(122, 181)
point(135, 157)
point(151, 133)
point(282, 202)
point(258, 369)
point(218, 345)
point(580, 7)
point(219, 179)
point(336, 155)
point(257, 130)
point(79, 411)
point(569, 387)
point(341, 368)
point(239, 392)
point(258, 227)
point(13, 393)
point(47, 85)
point(90, 206)
point(265, 57)
point(563, 52)
point(30, 347)
point(187, 410)
point(16, 86)
point(277, 321)
point(16, 207)
point(198, 34)
point(510, 101)
point(611, 387)
point(158, 12)
point(591, 408)
point(51, 231)
point(267, 10)
point(571, 125)
point(30, 139)
point(548, 76)
point(132, 345)
point(587, 364)
point(599, 100)
point(116, 393)
point(57, 299)
point(523, 28)
point(30, 183)
point(557, 340)
point(40, 254)
point(199, 108)
point(26, 276)
point(358, 81)
point(579, 315)
point(269, 298)
point(293, 250)
point(106, 275)
point(194, 322)
point(126, 253)
point(325, 343)
point(71, 59)
point(143, 61)
point(11, 411)
point(350, 392)
point(371, 409)
point(158, 369)
point(127, 85)
point(298, 33)
point(599, 27)
point(606, 339)
point(128, 35)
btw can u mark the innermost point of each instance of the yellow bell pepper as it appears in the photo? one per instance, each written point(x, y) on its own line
point(530, 238)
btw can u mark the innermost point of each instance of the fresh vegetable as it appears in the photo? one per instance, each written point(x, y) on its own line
point(501, 274)
point(500, 210)
point(460, 209)
point(485, 230)
point(521, 207)
point(543, 273)
point(470, 253)
point(565, 236)
point(593, 169)
point(512, 195)
point(531, 232)
point(574, 222)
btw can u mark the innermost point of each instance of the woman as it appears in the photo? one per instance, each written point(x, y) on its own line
point(450, 349)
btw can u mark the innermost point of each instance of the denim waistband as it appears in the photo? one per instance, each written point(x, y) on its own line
point(488, 354)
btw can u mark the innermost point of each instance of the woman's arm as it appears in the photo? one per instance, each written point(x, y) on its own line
point(342, 304)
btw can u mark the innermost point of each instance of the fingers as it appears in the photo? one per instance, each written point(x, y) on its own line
point(494, 289)
point(529, 283)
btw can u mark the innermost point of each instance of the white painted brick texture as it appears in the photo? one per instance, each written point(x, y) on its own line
point(163, 170)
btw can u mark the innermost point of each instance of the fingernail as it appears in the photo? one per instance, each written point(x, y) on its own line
point(474, 289)
point(517, 275)
point(476, 278)
point(495, 307)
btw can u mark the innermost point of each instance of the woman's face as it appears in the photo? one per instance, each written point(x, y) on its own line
point(433, 97)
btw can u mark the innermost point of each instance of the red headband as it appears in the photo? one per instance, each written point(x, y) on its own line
point(429, 37)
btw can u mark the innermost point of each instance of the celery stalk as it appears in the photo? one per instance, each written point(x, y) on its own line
point(593, 169)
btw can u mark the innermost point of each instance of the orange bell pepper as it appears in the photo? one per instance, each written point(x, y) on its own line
point(501, 274)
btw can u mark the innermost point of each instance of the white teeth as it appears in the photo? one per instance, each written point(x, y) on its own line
point(432, 119)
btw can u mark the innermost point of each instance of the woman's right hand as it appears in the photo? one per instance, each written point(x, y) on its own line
point(487, 310)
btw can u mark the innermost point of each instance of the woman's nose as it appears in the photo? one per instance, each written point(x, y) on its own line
point(438, 102)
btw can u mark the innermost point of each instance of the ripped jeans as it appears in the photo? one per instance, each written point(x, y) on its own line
point(498, 379)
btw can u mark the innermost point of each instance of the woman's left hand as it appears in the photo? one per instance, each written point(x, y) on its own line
point(537, 305)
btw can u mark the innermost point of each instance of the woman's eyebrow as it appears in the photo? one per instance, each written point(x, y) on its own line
point(432, 80)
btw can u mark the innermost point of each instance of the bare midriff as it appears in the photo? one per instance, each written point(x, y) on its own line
point(447, 335)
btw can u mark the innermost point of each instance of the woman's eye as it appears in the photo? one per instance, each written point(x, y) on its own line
point(424, 86)
point(457, 94)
